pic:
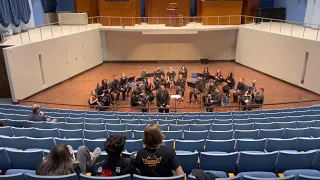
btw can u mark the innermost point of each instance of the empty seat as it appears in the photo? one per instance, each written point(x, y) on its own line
point(41, 143)
point(220, 145)
point(198, 121)
point(94, 126)
point(240, 116)
point(42, 133)
point(187, 117)
point(127, 133)
point(181, 127)
point(103, 116)
point(195, 135)
point(222, 117)
point(75, 116)
point(295, 118)
point(71, 133)
point(40, 125)
point(30, 176)
point(25, 159)
point(246, 134)
point(150, 121)
point(174, 117)
point(304, 177)
point(93, 116)
point(141, 117)
point(241, 121)
point(172, 134)
point(139, 127)
point(272, 115)
point(16, 176)
point(169, 143)
point(220, 135)
point(23, 132)
point(294, 161)
point(304, 124)
point(291, 133)
point(200, 127)
point(279, 125)
point(258, 117)
point(218, 164)
point(92, 120)
point(167, 122)
point(263, 126)
point(111, 121)
point(207, 117)
point(221, 127)
point(92, 134)
point(278, 119)
point(59, 125)
point(248, 126)
point(158, 117)
point(92, 144)
point(185, 121)
point(270, 133)
point(20, 117)
point(116, 127)
point(306, 144)
point(316, 123)
point(138, 177)
point(190, 145)
point(188, 160)
point(14, 142)
point(131, 121)
point(163, 127)
point(138, 134)
point(74, 119)
point(133, 145)
point(84, 177)
point(312, 117)
point(18, 123)
point(258, 164)
point(75, 143)
point(73, 126)
point(274, 144)
point(6, 131)
point(250, 145)
point(227, 121)
point(314, 132)
point(260, 120)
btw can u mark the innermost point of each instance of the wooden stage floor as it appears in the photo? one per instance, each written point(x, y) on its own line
point(76, 91)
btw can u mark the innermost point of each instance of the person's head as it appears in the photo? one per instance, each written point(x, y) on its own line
point(134, 92)
point(58, 162)
point(123, 75)
point(115, 77)
point(162, 88)
point(35, 108)
point(230, 74)
point(206, 70)
point(180, 76)
point(99, 85)
point(171, 68)
point(153, 137)
point(211, 82)
point(104, 81)
point(261, 90)
point(217, 90)
point(144, 69)
point(199, 78)
point(162, 77)
point(1, 123)
point(183, 68)
point(158, 68)
point(114, 145)
point(219, 71)
point(253, 83)
point(93, 93)
point(149, 81)
point(241, 80)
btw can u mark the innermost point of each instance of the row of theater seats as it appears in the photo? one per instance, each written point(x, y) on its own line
point(179, 134)
point(263, 165)
point(226, 146)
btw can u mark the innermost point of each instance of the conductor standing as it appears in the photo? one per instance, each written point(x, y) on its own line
point(163, 99)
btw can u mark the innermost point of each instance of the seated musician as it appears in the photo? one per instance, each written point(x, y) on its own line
point(184, 72)
point(259, 97)
point(180, 86)
point(106, 89)
point(240, 90)
point(215, 99)
point(210, 92)
point(124, 86)
point(93, 100)
point(249, 96)
point(158, 73)
point(115, 88)
point(101, 96)
point(143, 74)
point(160, 81)
point(163, 99)
point(219, 78)
point(171, 74)
point(136, 102)
point(230, 84)
point(206, 73)
point(148, 88)
point(196, 91)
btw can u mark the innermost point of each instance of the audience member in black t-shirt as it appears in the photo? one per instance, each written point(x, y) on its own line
point(156, 160)
point(114, 165)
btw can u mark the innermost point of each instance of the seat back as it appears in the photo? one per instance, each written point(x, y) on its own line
point(314, 132)
point(304, 124)
point(289, 161)
point(138, 127)
point(306, 144)
point(246, 134)
point(275, 144)
point(292, 133)
point(218, 162)
point(133, 145)
point(89, 134)
point(188, 161)
point(257, 161)
point(190, 145)
point(263, 125)
point(14, 142)
point(41, 143)
point(6, 131)
point(116, 127)
point(279, 125)
point(292, 177)
point(74, 143)
point(71, 133)
point(5, 163)
point(127, 134)
point(250, 145)
point(220, 145)
point(30, 176)
point(220, 135)
point(138, 177)
point(190, 121)
point(169, 143)
point(92, 144)
point(123, 177)
point(25, 159)
point(181, 127)
point(270, 133)
point(74, 119)
point(43, 133)
point(172, 134)
point(248, 126)
point(200, 127)
point(221, 127)
point(19, 176)
point(195, 135)
point(138, 134)
point(73, 126)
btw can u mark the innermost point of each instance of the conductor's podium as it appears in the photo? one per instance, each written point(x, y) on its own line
point(174, 17)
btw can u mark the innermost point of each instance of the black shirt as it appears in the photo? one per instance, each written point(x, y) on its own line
point(211, 89)
point(157, 162)
point(181, 83)
point(183, 73)
point(118, 167)
point(115, 85)
point(171, 75)
point(163, 98)
point(158, 73)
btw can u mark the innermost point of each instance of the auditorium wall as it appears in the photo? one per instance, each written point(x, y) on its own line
point(37, 66)
point(130, 46)
point(280, 56)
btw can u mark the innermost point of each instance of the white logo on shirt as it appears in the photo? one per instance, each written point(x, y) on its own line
point(118, 169)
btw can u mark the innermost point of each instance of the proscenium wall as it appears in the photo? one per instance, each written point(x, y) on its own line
point(280, 56)
point(62, 58)
point(130, 46)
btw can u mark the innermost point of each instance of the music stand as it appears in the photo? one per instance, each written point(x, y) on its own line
point(131, 79)
point(191, 84)
point(139, 79)
point(149, 75)
point(175, 97)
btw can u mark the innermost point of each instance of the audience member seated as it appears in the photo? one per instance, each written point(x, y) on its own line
point(114, 165)
point(61, 161)
point(156, 160)
point(37, 115)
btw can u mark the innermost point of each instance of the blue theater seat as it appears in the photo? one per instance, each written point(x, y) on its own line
point(74, 119)
point(172, 134)
point(66, 177)
point(18, 176)
point(259, 165)
point(259, 120)
point(292, 133)
point(226, 146)
point(248, 126)
point(73, 126)
point(161, 122)
point(220, 135)
point(40, 125)
point(226, 121)
point(263, 126)
point(221, 127)
point(14, 142)
point(71, 133)
point(133, 145)
point(181, 127)
point(25, 159)
point(129, 121)
point(306, 144)
point(250, 145)
point(218, 164)
point(127, 133)
point(188, 160)
point(314, 132)
point(88, 134)
point(18, 123)
point(43, 133)
point(5, 163)
point(195, 135)
point(111, 121)
point(304, 177)
point(93, 116)
point(142, 117)
point(188, 117)
point(138, 177)
point(124, 177)
point(20, 132)
point(41, 143)
point(222, 117)
point(189, 121)
point(279, 125)
point(58, 125)
point(245, 134)
point(200, 127)
point(292, 177)
point(240, 116)
point(275, 144)
point(139, 127)
point(116, 127)
point(92, 120)
point(169, 143)
point(304, 124)
point(94, 126)
point(92, 144)
point(270, 133)
point(138, 134)
point(190, 145)
point(149, 121)
point(74, 143)
point(6, 131)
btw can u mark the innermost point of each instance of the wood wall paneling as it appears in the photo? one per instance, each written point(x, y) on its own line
point(89, 6)
point(157, 8)
point(221, 8)
point(126, 10)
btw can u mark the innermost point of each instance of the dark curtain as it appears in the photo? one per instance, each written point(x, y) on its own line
point(49, 5)
point(193, 8)
point(5, 13)
point(142, 8)
point(14, 12)
point(24, 10)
